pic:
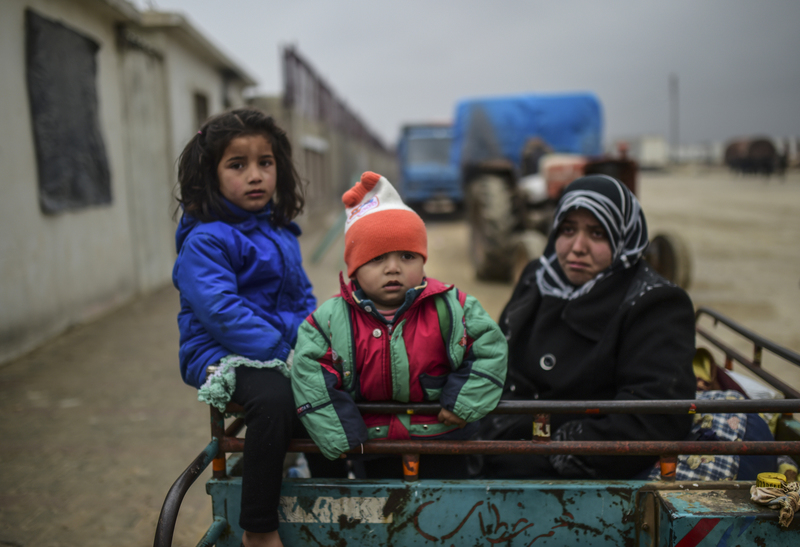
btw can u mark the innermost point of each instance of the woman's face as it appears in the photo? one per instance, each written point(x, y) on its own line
point(582, 247)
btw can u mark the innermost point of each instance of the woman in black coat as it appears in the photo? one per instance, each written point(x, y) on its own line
point(590, 320)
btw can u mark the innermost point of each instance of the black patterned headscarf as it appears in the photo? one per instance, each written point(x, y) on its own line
point(620, 214)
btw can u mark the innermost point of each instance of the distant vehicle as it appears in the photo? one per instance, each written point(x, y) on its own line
point(755, 156)
point(499, 146)
point(428, 178)
point(515, 155)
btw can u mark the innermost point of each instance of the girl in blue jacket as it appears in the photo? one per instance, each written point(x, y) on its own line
point(243, 292)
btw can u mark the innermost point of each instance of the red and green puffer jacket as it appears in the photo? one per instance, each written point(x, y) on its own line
point(443, 347)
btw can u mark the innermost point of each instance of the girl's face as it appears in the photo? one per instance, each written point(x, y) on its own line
point(247, 173)
point(582, 247)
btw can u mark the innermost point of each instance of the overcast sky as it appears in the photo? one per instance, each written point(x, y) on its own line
point(737, 61)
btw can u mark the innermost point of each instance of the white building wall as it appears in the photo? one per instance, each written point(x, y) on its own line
point(56, 270)
point(188, 74)
point(62, 269)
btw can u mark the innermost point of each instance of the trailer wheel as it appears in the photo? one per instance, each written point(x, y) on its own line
point(669, 255)
point(491, 222)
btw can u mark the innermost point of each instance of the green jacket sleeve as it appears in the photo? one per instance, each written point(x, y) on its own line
point(473, 389)
point(328, 413)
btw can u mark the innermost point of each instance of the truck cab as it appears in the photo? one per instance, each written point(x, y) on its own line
point(428, 179)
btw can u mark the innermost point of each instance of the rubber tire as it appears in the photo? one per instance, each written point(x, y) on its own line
point(669, 255)
point(529, 246)
point(491, 220)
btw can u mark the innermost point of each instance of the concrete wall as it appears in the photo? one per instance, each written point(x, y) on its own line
point(57, 270)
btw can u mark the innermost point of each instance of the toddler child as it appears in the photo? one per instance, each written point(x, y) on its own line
point(393, 334)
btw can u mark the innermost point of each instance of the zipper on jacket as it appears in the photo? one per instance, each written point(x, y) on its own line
point(450, 329)
point(387, 359)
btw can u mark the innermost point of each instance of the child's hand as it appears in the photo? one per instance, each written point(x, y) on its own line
point(448, 418)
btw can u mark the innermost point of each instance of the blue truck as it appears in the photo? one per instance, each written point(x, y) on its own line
point(497, 145)
point(428, 178)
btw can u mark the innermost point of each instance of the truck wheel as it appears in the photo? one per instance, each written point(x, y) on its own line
point(491, 222)
point(529, 246)
point(669, 255)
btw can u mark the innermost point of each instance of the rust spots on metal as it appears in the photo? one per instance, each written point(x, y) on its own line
point(334, 536)
point(624, 493)
point(397, 499)
point(346, 523)
point(572, 526)
point(307, 503)
point(559, 495)
point(551, 533)
point(508, 534)
point(416, 523)
point(308, 535)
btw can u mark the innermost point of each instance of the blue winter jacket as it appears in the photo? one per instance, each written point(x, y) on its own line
point(243, 290)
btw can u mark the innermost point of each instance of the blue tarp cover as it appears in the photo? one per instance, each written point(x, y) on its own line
point(498, 127)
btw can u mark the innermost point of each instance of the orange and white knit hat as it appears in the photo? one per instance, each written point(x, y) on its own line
point(378, 222)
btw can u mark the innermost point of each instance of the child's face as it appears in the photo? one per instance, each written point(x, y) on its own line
point(386, 278)
point(247, 173)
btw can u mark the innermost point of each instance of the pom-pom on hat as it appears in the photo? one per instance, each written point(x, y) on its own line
point(378, 222)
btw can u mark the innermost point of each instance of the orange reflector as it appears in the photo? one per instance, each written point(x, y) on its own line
point(218, 464)
point(410, 467)
point(668, 469)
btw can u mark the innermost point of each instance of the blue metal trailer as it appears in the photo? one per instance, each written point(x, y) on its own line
point(412, 512)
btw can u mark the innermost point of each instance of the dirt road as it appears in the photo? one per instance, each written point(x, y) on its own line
point(97, 423)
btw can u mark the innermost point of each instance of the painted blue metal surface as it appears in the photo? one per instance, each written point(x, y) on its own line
point(522, 513)
point(217, 528)
point(725, 517)
point(393, 513)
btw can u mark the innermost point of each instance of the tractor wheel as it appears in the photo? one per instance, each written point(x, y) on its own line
point(669, 255)
point(530, 246)
point(491, 221)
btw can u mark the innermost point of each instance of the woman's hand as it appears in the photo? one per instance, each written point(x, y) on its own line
point(448, 418)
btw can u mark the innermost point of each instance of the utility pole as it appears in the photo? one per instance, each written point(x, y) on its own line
point(674, 137)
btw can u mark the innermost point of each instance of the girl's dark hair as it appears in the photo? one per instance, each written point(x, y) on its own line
point(197, 167)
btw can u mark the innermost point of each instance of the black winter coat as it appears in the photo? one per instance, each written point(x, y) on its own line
point(630, 338)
